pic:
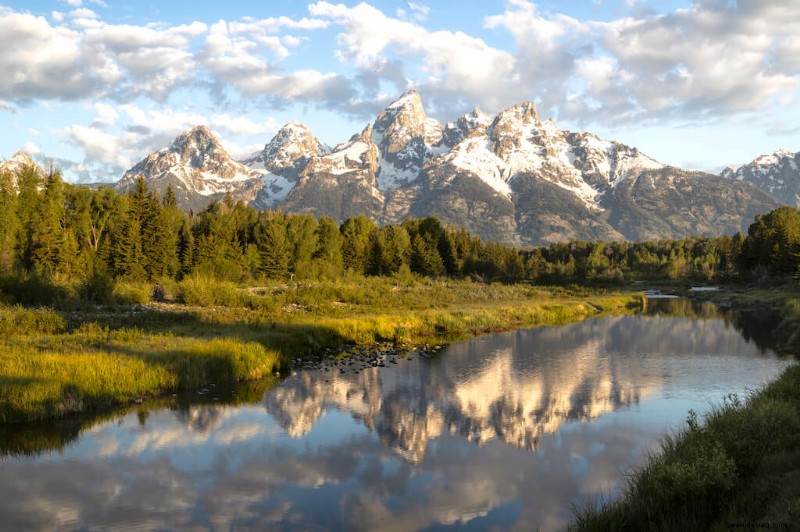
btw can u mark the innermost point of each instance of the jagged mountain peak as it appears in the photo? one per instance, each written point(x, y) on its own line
point(455, 132)
point(288, 151)
point(523, 113)
point(777, 173)
point(509, 177)
point(411, 99)
point(773, 158)
point(405, 137)
point(401, 120)
point(198, 148)
point(199, 170)
point(17, 163)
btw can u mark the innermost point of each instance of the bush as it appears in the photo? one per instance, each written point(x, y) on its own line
point(132, 293)
point(97, 288)
point(17, 321)
point(205, 291)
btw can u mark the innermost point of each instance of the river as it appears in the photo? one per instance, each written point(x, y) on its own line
point(508, 431)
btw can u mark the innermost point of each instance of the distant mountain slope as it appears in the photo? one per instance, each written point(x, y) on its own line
point(199, 170)
point(512, 178)
point(18, 162)
point(778, 174)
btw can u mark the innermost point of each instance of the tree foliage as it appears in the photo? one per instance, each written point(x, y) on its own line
point(52, 229)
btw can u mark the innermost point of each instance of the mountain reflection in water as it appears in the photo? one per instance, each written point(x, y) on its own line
point(502, 431)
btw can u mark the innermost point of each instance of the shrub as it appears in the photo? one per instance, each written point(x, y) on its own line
point(205, 291)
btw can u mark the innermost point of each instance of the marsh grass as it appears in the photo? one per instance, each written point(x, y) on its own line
point(86, 358)
point(728, 469)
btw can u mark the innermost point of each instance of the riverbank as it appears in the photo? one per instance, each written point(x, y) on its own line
point(80, 359)
point(737, 467)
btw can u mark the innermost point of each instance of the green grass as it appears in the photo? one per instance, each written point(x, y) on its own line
point(739, 466)
point(85, 358)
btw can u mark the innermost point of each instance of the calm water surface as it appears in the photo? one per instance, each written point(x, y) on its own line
point(504, 432)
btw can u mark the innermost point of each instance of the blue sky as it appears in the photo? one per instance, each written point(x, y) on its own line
point(96, 85)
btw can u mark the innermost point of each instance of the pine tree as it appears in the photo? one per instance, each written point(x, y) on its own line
point(356, 235)
point(274, 251)
point(301, 233)
point(329, 242)
point(47, 230)
point(425, 258)
point(9, 224)
point(185, 248)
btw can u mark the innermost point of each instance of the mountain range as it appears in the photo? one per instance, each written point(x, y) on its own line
point(511, 177)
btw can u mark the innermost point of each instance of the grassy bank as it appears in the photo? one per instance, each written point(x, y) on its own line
point(84, 359)
point(738, 468)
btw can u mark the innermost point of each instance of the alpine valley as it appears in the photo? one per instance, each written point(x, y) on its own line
point(512, 178)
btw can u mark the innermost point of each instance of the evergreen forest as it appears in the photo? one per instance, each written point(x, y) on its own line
point(81, 241)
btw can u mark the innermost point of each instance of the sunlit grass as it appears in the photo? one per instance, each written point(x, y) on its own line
point(88, 358)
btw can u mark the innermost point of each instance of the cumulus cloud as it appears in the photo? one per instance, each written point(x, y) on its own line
point(40, 61)
point(97, 144)
point(31, 148)
point(452, 66)
point(233, 54)
point(710, 59)
point(89, 59)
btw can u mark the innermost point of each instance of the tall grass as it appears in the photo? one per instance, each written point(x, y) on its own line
point(87, 358)
point(48, 372)
point(716, 472)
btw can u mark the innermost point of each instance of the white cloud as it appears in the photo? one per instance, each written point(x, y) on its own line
point(97, 145)
point(710, 59)
point(419, 11)
point(31, 148)
point(106, 115)
point(234, 57)
point(94, 60)
point(454, 66)
point(40, 61)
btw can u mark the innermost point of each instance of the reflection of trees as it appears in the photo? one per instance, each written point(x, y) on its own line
point(756, 324)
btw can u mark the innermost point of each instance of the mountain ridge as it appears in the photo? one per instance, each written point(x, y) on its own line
point(777, 173)
point(510, 177)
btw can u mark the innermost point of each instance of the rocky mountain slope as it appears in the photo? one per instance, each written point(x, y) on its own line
point(18, 162)
point(778, 174)
point(199, 170)
point(512, 177)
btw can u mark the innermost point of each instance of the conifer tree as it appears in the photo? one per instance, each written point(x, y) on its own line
point(273, 249)
point(329, 242)
point(356, 235)
point(9, 224)
point(301, 233)
point(185, 248)
point(47, 231)
point(425, 258)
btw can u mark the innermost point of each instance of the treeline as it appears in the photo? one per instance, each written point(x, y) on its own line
point(67, 234)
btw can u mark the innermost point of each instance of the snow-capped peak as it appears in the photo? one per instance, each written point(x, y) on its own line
point(409, 99)
point(777, 173)
point(288, 151)
point(17, 163)
point(404, 136)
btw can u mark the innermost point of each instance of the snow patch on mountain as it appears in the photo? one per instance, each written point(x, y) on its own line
point(776, 173)
point(475, 156)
